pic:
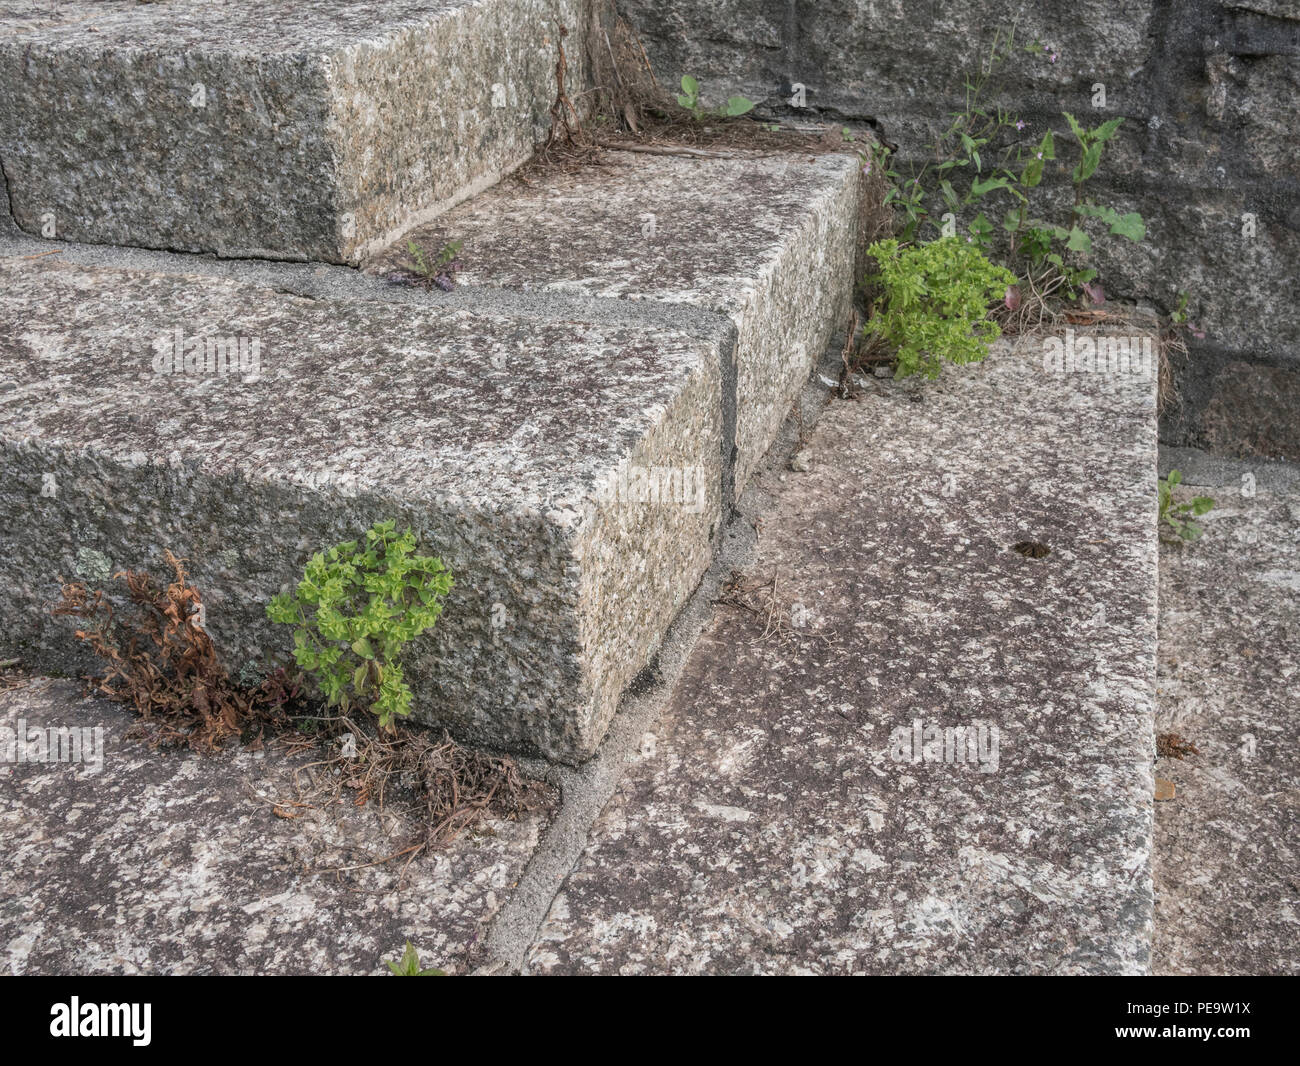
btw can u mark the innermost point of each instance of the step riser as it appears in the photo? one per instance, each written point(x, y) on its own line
point(796, 312)
point(318, 154)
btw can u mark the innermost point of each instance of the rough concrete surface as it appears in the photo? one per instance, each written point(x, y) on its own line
point(279, 129)
point(768, 826)
point(175, 863)
point(570, 472)
point(770, 242)
point(1227, 846)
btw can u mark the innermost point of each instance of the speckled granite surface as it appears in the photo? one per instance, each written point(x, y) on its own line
point(175, 863)
point(775, 822)
point(768, 241)
point(569, 472)
point(1227, 870)
point(278, 129)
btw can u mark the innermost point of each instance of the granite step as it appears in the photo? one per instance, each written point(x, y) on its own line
point(276, 129)
point(903, 746)
point(770, 241)
point(122, 859)
point(573, 457)
point(568, 468)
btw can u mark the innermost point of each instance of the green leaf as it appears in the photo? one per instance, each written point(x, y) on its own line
point(690, 86)
point(1106, 130)
point(1130, 226)
point(1078, 241)
point(1088, 163)
point(982, 188)
point(737, 105)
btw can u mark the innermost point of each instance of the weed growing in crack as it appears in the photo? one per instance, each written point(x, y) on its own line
point(354, 610)
point(689, 98)
point(935, 305)
point(432, 270)
point(1174, 516)
point(986, 169)
point(409, 965)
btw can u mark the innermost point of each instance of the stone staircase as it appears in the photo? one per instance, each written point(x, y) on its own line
point(202, 349)
point(569, 431)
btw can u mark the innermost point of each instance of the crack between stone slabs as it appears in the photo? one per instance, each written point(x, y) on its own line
point(11, 218)
point(587, 790)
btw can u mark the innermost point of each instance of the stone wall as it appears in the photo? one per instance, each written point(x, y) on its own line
point(1208, 152)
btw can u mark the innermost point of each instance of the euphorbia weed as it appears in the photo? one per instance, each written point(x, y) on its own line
point(353, 612)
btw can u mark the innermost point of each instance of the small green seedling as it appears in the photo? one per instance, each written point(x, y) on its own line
point(409, 965)
point(354, 610)
point(439, 270)
point(1173, 514)
point(689, 98)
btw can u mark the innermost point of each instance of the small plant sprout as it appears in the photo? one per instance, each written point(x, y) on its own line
point(689, 98)
point(354, 610)
point(440, 269)
point(1174, 515)
point(409, 965)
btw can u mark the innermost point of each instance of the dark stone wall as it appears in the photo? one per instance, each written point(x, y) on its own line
point(1210, 93)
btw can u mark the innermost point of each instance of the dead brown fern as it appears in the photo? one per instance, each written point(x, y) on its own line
point(160, 661)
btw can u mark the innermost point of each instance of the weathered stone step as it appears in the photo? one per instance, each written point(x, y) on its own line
point(569, 469)
point(920, 751)
point(277, 129)
point(769, 241)
point(572, 456)
point(125, 860)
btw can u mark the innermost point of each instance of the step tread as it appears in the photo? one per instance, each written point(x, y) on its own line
point(766, 827)
point(164, 862)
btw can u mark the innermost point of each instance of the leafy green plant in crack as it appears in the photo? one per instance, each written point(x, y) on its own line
point(988, 164)
point(354, 610)
point(936, 302)
point(409, 965)
point(440, 269)
point(1174, 515)
point(689, 98)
